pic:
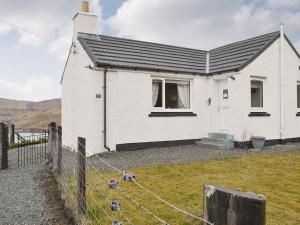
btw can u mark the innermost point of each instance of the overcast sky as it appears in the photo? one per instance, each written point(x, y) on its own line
point(31, 65)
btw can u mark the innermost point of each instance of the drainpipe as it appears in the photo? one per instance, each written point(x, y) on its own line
point(281, 52)
point(207, 62)
point(104, 110)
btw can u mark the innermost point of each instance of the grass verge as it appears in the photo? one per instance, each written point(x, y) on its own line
point(277, 176)
point(28, 142)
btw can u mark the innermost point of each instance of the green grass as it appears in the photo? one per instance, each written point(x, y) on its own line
point(28, 142)
point(277, 176)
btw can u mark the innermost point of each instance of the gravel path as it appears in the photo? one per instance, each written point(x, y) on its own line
point(21, 200)
point(178, 154)
point(24, 198)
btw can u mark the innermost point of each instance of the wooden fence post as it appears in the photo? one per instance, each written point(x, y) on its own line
point(4, 145)
point(51, 142)
point(81, 156)
point(224, 206)
point(59, 150)
point(12, 134)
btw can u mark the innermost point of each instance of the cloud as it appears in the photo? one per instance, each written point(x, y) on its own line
point(198, 23)
point(50, 21)
point(36, 89)
point(283, 3)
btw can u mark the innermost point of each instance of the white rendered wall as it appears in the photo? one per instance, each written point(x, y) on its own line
point(267, 66)
point(81, 110)
point(130, 102)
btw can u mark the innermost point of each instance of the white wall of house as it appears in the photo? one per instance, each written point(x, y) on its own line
point(81, 110)
point(266, 68)
point(130, 103)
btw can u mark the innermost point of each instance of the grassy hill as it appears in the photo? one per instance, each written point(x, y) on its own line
point(27, 115)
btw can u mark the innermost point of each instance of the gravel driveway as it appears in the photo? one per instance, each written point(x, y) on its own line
point(178, 154)
point(24, 198)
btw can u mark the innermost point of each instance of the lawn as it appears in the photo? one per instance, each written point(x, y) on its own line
point(277, 176)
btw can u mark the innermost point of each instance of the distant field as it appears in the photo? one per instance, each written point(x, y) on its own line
point(28, 115)
point(277, 176)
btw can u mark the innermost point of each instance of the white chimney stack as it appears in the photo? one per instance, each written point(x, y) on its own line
point(85, 21)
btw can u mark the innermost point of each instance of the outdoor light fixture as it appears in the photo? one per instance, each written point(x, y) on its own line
point(89, 67)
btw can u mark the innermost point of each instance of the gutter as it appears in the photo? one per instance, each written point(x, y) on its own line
point(104, 110)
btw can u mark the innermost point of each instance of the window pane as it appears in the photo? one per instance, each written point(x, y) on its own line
point(171, 96)
point(298, 96)
point(183, 96)
point(256, 93)
point(177, 95)
point(156, 93)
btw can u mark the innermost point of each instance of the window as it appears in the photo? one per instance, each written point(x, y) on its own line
point(256, 94)
point(298, 95)
point(169, 94)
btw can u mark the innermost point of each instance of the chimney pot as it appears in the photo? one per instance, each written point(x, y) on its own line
point(85, 7)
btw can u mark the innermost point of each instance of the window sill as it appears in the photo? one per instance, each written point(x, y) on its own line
point(259, 114)
point(170, 114)
point(298, 114)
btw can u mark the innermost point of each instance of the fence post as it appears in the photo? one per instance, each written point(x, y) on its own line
point(4, 145)
point(81, 155)
point(59, 150)
point(12, 134)
point(51, 142)
point(232, 207)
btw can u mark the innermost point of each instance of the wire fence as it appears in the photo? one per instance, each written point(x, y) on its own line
point(98, 196)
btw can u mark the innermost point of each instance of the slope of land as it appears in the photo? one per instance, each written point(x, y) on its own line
point(28, 115)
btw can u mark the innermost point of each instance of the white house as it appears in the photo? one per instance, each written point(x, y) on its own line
point(125, 94)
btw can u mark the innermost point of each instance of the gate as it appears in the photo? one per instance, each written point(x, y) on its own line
point(32, 148)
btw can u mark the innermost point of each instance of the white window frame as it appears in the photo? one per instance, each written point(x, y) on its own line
point(172, 80)
point(263, 80)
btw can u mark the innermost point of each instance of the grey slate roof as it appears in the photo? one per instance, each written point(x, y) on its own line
point(124, 53)
point(237, 55)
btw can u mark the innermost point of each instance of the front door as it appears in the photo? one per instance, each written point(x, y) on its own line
point(223, 105)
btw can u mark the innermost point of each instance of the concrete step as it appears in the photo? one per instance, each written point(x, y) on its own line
point(217, 140)
point(212, 145)
point(227, 142)
point(220, 135)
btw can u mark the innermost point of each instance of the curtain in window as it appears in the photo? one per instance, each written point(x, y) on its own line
point(184, 96)
point(155, 89)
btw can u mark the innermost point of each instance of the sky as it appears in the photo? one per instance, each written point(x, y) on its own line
point(35, 34)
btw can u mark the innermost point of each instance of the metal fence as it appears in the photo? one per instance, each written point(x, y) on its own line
point(22, 149)
point(32, 148)
point(106, 197)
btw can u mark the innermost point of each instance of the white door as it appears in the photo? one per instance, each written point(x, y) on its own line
point(223, 105)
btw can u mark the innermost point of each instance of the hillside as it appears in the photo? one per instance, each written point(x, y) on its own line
point(28, 115)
